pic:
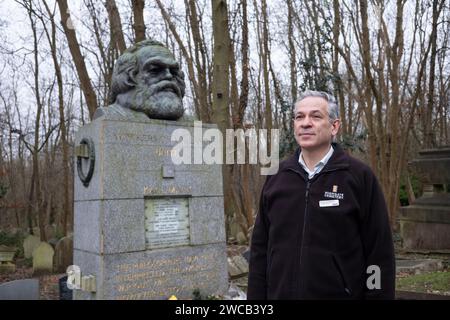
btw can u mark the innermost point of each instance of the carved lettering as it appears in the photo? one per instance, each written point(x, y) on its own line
point(160, 278)
point(169, 190)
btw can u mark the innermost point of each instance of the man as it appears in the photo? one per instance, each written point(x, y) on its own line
point(322, 231)
point(146, 79)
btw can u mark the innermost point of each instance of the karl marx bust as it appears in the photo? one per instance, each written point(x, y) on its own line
point(146, 80)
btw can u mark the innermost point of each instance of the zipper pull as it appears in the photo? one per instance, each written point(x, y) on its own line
point(307, 189)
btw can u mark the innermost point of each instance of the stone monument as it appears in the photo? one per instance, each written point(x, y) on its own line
point(145, 228)
point(43, 259)
point(425, 223)
point(63, 254)
point(7, 264)
point(30, 243)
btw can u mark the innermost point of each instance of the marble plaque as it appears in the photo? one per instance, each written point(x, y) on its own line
point(166, 222)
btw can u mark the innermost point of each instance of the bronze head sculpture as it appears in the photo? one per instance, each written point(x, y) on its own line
point(147, 79)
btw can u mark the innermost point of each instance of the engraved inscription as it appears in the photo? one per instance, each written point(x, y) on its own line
point(129, 137)
point(172, 190)
point(165, 152)
point(163, 277)
point(166, 222)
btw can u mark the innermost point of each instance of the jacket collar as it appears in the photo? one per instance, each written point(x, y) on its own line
point(339, 160)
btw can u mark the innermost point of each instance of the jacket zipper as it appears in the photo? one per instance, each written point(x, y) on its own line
point(308, 185)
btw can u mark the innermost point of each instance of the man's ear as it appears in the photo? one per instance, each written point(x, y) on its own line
point(336, 125)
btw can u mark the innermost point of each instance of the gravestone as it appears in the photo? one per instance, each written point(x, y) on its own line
point(425, 223)
point(50, 231)
point(417, 266)
point(43, 259)
point(6, 259)
point(145, 228)
point(37, 232)
point(53, 242)
point(233, 270)
point(63, 254)
point(25, 289)
point(241, 263)
point(30, 243)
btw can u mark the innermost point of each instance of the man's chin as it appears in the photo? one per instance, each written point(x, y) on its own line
point(307, 145)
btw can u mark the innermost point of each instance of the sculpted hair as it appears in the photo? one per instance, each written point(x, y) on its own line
point(126, 69)
point(333, 109)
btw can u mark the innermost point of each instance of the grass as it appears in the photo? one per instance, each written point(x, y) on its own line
point(430, 282)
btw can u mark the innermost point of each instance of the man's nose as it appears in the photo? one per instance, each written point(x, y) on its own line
point(305, 122)
point(166, 74)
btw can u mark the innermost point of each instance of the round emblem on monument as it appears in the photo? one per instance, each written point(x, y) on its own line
point(85, 150)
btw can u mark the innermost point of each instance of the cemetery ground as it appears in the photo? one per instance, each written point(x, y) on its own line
point(418, 272)
point(48, 284)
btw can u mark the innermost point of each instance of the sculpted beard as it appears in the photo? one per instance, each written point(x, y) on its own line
point(161, 100)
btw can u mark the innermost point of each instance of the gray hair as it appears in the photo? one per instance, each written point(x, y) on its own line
point(333, 109)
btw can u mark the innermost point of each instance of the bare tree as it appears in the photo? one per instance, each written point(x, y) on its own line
point(138, 15)
point(78, 59)
point(115, 23)
point(51, 37)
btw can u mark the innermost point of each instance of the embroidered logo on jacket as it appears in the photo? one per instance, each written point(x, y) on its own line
point(334, 194)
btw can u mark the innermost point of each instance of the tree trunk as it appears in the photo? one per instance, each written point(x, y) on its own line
point(115, 25)
point(338, 82)
point(202, 114)
point(199, 58)
point(35, 150)
point(429, 131)
point(220, 86)
point(138, 14)
point(266, 57)
point(292, 53)
point(243, 98)
point(78, 59)
point(66, 211)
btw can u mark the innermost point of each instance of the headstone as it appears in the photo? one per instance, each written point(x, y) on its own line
point(50, 231)
point(6, 259)
point(145, 228)
point(233, 269)
point(37, 232)
point(53, 242)
point(425, 223)
point(417, 266)
point(29, 244)
point(241, 239)
point(43, 259)
point(25, 289)
point(241, 263)
point(63, 254)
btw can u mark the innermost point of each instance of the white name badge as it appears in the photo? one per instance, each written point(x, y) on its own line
point(328, 203)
